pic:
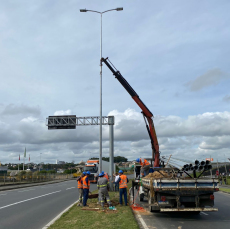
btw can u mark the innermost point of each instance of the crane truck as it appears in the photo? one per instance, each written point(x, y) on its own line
point(171, 191)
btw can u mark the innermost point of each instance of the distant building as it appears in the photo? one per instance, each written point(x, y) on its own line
point(60, 162)
point(60, 171)
point(82, 162)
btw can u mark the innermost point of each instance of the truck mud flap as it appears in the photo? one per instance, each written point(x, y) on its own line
point(188, 209)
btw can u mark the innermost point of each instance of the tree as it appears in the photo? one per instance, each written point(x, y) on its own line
point(69, 171)
point(105, 158)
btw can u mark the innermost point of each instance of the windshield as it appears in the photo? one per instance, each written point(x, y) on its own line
point(92, 169)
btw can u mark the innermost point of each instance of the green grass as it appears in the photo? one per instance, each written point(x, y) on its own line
point(109, 219)
point(225, 189)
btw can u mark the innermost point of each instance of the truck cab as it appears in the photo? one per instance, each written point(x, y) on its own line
point(92, 167)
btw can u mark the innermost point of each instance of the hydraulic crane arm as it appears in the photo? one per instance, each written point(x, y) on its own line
point(145, 111)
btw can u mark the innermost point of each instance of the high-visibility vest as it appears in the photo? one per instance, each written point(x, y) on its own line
point(123, 181)
point(144, 162)
point(85, 185)
point(80, 183)
point(106, 176)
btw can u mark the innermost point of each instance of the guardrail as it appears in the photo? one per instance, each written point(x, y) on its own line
point(32, 178)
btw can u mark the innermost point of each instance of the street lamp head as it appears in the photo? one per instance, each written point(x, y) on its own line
point(83, 10)
point(119, 8)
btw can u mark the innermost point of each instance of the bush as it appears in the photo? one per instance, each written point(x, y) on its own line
point(69, 171)
point(22, 173)
point(51, 171)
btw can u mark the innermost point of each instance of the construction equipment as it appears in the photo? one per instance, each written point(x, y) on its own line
point(166, 189)
point(145, 111)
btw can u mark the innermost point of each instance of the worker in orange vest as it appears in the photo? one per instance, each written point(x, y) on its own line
point(123, 180)
point(105, 175)
point(86, 186)
point(145, 166)
point(80, 188)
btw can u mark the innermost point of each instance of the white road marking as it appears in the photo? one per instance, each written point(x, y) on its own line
point(204, 213)
point(142, 221)
point(3, 194)
point(26, 190)
point(29, 199)
point(70, 188)
point(58, 216)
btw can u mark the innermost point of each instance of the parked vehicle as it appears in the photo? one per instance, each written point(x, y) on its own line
point(176, 193)
point(93, 167)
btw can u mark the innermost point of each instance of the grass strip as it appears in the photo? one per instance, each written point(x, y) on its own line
point(76, 218)
point(225, 190)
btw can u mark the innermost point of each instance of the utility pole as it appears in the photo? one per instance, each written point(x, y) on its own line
point(225, 165)
point(40, 162)
point(218, 168)
point(210, 164)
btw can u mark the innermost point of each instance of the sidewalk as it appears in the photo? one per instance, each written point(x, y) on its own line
point(9, 187)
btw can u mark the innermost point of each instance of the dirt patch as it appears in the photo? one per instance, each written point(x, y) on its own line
point(160, 174)
point(114, 203)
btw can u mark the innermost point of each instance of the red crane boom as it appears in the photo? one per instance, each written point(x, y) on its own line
point(145, 111)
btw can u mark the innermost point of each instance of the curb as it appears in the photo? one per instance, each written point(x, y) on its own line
point(225, 192)
point(139, 219)
point(58, 216)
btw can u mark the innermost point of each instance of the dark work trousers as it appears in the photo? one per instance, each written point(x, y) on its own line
point(85, 196)
point(123, 191)
point(116, 186)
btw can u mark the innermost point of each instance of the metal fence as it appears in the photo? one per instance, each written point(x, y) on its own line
point(32, 178)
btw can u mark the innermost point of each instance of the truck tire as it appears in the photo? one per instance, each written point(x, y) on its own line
point(195, 212)
point(141, 197)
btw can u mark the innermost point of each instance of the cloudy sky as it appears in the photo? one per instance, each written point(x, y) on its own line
point(175, 54)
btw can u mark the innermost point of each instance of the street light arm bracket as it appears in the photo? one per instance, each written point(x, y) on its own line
point(117, 9)
point(85, 10)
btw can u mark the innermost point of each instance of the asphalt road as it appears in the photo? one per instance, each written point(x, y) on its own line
point(34, 207)
point(210, 220)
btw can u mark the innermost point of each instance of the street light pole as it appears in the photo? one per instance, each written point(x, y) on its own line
point(100, 134)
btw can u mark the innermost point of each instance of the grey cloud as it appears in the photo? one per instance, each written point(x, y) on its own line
point(12, 109)
point(226, 98)
point(212, 77)
point(207, 124)
point(215, 143)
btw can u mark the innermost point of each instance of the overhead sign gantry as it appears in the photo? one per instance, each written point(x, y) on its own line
point(71, 121)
